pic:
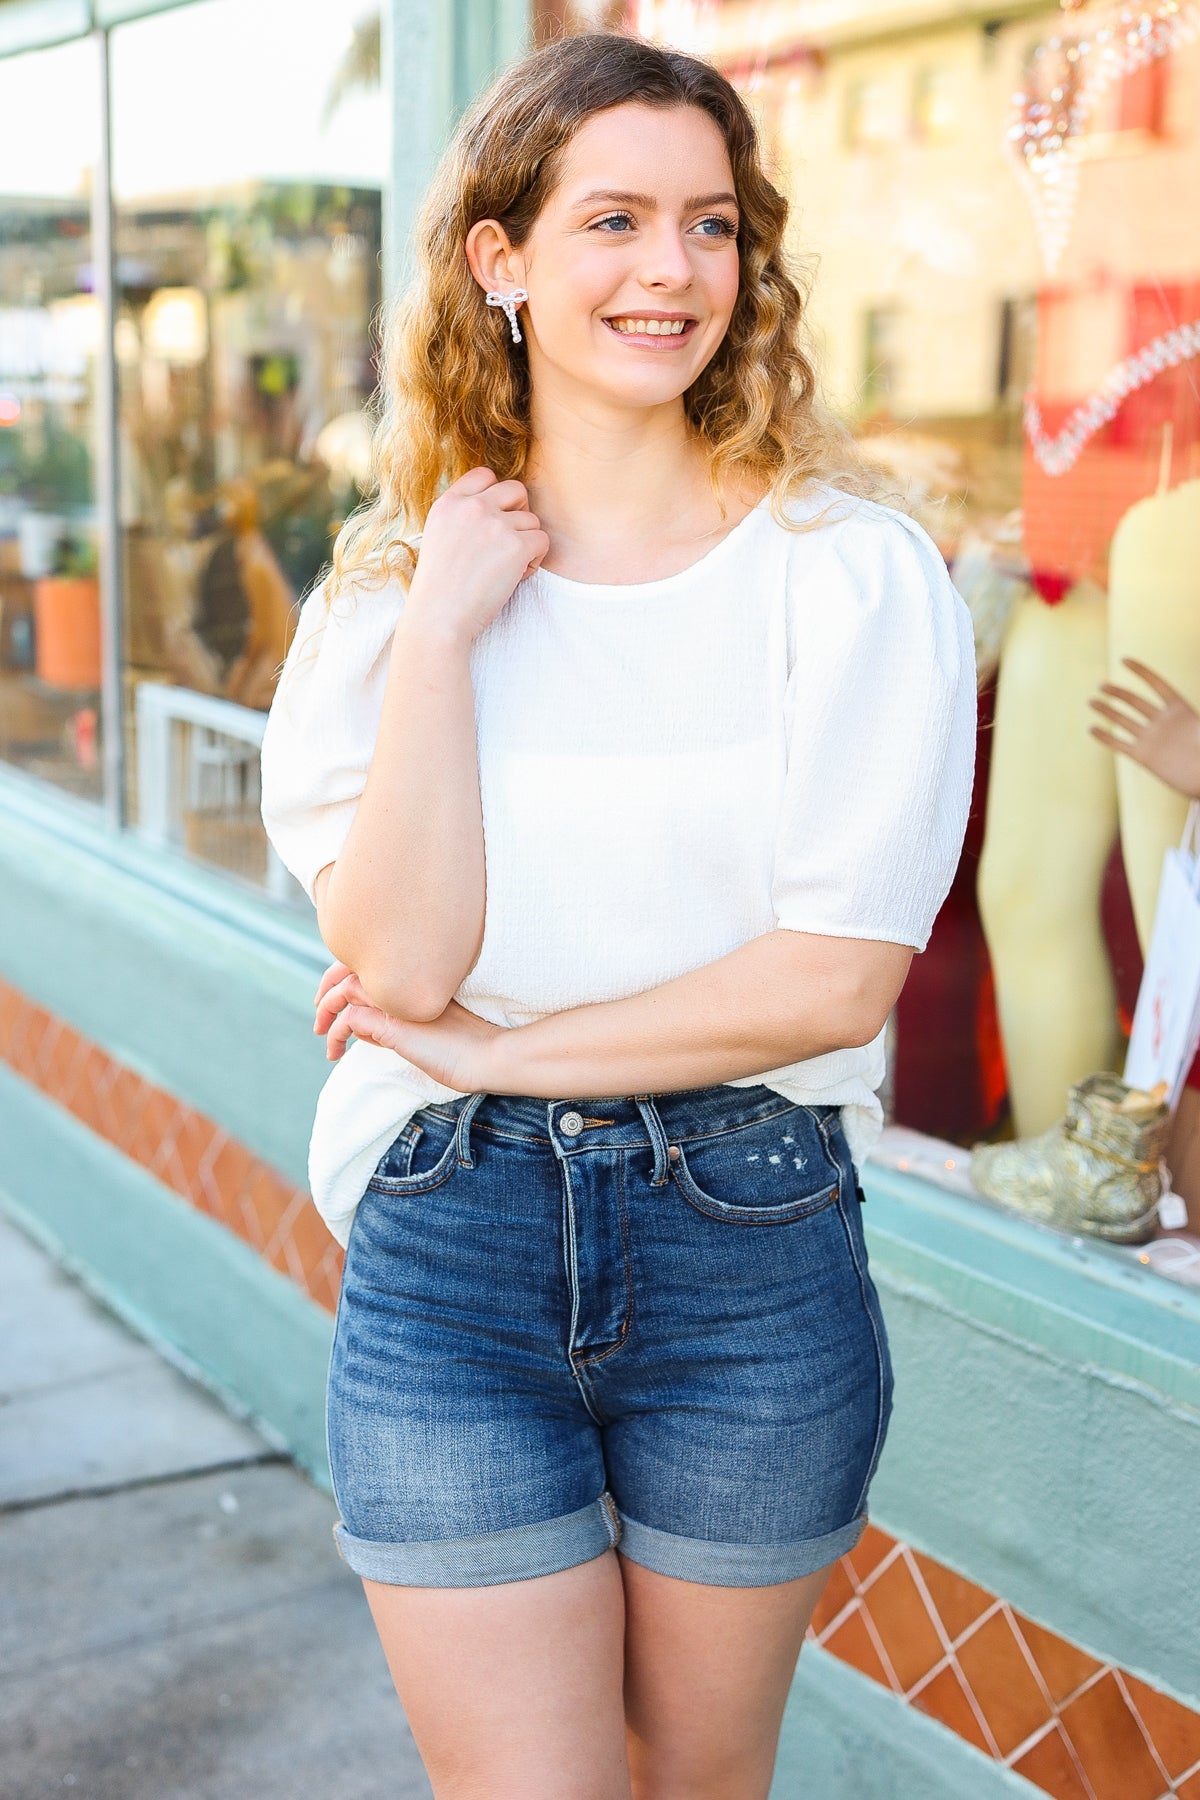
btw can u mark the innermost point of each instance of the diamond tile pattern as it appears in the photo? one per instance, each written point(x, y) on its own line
point(186, 1151)
point(1072, 1726)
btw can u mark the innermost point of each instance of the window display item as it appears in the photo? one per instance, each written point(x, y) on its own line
point(1166, 1024)
point(67, 630)
point(1067, 78)
point(1061, 452)
point(1099, 1170)
point(1050, 823)
point(245, 613)
point(990, 571)
point(1154, 617)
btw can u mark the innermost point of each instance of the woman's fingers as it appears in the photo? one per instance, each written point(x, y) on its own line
point(338, 1035)
point(475, 481)
point(511, 496)
point(342, 994)
point(337, 971)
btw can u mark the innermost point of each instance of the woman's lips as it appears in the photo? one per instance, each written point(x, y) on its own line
point(654, 340)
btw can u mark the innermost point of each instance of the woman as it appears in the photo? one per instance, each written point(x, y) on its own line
point(624, 808)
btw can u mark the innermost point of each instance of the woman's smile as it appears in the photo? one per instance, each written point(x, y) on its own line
point(653, 330)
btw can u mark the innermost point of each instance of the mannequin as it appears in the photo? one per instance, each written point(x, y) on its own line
point(252, 674)
point(1154, 615)
point(1057, 797)
point(1050, 821)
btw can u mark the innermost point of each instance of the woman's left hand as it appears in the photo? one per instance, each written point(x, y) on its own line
point(457, 1049)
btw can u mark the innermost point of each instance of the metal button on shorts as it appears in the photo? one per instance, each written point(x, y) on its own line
point(571, 1124)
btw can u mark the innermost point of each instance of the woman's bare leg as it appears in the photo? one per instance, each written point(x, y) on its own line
point(513, 1692)
point(707, 1673)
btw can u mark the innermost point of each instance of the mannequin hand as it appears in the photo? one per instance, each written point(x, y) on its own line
point(1164, 739)
point(480, 540)
point(457, 1049)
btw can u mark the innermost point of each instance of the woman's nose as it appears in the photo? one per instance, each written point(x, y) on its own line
point(667, 264)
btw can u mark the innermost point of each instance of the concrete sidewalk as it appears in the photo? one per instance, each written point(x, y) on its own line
point(175, 1622)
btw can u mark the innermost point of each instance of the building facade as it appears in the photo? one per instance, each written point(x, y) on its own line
point(202, 208)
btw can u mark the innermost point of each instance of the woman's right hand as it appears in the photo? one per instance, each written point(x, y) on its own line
point(480, 540)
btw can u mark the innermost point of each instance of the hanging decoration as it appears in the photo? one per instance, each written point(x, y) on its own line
point(1061, 452)
point(1067, 78)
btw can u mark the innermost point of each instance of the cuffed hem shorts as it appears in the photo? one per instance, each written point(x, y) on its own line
point(642, 1322)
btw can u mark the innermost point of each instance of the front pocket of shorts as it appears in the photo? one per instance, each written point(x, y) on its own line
point(421, 1156)
point(767, 1172)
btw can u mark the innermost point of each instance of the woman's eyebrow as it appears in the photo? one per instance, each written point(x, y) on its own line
point(650, 202)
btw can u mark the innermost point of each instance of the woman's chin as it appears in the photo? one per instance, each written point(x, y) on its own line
point(642, 389)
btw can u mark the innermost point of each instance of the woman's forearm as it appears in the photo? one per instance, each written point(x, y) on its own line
point(779, 999)
point(404, 902)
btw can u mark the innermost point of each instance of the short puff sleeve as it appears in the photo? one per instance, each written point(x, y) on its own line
point(881, 715)
point(322, 724)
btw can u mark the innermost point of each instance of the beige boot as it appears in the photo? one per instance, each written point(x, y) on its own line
point(1099, 1170)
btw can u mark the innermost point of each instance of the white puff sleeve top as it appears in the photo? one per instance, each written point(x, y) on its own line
point(782, 735)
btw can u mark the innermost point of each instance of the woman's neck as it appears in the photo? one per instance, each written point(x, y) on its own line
point(624, 496)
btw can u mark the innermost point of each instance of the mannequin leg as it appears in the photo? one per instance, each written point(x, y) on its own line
point(1051, 819)
point(1154, 615)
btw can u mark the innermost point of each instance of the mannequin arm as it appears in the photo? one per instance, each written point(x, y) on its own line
point(1164, 739)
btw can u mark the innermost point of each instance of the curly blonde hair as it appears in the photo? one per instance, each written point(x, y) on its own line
point(454, 393)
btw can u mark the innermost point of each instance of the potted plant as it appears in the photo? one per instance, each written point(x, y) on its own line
point(54, 480)
point(66, 614)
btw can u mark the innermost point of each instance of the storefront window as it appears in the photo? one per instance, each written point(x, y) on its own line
point(1008, 310)
point(250, 147)
point(50, 338)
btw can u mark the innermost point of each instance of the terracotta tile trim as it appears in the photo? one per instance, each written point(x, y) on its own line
point(1074, 1727)
point(187, 1151)
point(1071, 1725)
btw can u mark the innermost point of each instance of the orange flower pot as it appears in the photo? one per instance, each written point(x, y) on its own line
point(66, 613)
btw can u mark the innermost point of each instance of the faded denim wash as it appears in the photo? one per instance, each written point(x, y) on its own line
point(571, 1324)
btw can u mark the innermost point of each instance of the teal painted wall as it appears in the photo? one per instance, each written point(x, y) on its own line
point(1046, 1430)
point(846, 1738)
point(179, 1278)
point(201, 990)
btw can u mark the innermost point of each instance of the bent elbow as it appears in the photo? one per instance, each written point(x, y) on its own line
point(418, 1001)
point(873, 995)
point(865, 1027)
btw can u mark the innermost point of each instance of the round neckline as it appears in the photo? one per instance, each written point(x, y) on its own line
point(636, 590)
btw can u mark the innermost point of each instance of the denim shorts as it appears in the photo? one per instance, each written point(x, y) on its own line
point(566, 1325)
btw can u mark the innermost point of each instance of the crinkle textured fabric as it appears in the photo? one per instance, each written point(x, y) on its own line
point(782, 735)
point(643, 1320)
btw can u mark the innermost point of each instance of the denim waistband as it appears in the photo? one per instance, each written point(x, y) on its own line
point(614, 1121)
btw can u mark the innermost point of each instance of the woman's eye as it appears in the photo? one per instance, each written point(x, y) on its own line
point(725, 227)
point(614, 219)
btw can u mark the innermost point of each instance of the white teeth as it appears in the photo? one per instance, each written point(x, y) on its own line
point(651, 327)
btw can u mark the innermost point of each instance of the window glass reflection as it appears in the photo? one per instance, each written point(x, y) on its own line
point(50, 639)
point(1008, 304)
point(248, 273)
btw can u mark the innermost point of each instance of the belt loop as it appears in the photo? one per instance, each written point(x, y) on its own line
point(462, 1137)
point(658, 1137)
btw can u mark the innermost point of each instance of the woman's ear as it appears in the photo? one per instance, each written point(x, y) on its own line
point(493, 261)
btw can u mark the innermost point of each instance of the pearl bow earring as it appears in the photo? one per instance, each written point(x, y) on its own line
point(510, 303)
